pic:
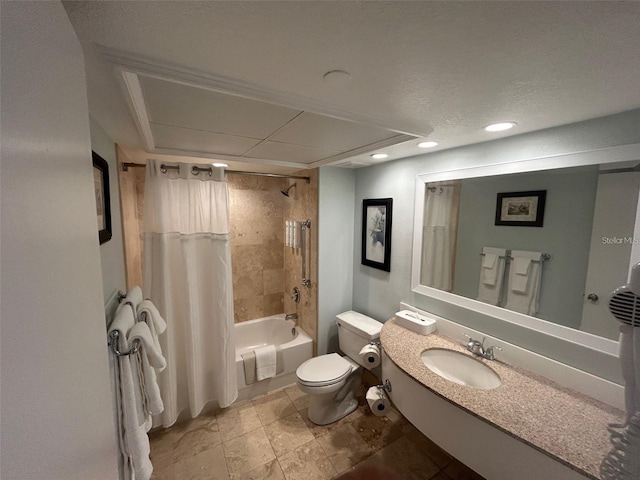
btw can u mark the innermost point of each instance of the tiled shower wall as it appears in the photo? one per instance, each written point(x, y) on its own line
point(264, 270)
point(302, 204)
point(257, 245)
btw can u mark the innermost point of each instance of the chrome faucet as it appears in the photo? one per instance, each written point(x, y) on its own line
point(292, 316)
point(477, 348)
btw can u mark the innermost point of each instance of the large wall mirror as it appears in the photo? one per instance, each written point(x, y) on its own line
point(553, 273)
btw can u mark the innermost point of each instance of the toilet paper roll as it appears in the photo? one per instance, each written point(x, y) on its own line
point(370, 355)
point(377, 400)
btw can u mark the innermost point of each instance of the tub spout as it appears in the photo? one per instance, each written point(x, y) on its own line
point(291, 316)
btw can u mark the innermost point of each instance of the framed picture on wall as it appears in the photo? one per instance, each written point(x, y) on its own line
point(103, 200)
point(521, 209)
point(376, 233)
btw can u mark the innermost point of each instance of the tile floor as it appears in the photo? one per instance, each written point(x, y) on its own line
point(271, 438)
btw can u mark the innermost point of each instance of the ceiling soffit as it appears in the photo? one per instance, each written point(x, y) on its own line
point(182, 112)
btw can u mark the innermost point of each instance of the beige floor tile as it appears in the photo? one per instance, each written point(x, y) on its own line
point(200, 434)
point(344, 447)
point(300, 399)
point(237, 421)
point(268, 471)
point(207, 465)
point(162, 443)
point(404, 458)
point(248, 451)
point(273, 406)
point(378, 432)
point(166, 473)
point(288, 433)
point(307, 462)
point(319, 430)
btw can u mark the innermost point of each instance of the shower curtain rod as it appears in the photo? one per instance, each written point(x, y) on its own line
point(127, 165)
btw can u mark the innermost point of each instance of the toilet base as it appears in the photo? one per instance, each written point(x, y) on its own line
point(328, 408)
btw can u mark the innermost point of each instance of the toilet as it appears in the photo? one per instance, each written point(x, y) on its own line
point(331, 380)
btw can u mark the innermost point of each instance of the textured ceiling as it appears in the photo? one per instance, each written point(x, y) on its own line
point(450, 67)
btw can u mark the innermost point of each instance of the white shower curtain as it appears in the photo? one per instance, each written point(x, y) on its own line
point(187, 274)
point(437, 237)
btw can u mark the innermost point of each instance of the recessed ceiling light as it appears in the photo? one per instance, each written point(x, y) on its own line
point(220, 165)
point(379, 156)
point(427, 144)
point(499, 127)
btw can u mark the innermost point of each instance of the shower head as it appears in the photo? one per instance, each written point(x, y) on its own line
point(285, 192)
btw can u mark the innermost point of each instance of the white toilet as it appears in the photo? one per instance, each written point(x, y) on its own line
point(331, 380)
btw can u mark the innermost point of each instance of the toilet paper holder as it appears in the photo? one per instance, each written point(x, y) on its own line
point(386, 386)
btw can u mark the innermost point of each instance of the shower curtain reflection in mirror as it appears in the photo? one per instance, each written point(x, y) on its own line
point(187, 274)
point(439, 234)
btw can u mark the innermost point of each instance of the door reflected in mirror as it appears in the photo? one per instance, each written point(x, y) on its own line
point(563, 271)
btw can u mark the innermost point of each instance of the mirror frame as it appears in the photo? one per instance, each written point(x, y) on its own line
point(624, 153)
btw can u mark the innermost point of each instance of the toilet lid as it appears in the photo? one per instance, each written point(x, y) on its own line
point(323, 370)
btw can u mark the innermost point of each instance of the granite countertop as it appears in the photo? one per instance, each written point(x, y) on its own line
point(566, 425)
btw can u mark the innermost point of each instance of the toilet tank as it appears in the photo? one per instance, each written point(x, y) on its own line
point(356, 330)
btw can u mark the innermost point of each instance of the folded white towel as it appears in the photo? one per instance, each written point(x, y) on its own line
point(141, 332)
point(265, 362)
point(249, 363)
point(148, 313)
point(523, 293)
point(521, 265)
point(135, 442)
point(491, 278)
point(489, 260)
point(148, 357)
point(134, 298)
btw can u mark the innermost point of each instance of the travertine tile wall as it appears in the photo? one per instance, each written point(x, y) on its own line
point(302, 204)
point(257, 245)
point(131, 197)
point(264, 270)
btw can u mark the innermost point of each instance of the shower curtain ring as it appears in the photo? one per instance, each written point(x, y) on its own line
point(194, 171)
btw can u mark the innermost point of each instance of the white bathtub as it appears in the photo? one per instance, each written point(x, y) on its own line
point(296, 346)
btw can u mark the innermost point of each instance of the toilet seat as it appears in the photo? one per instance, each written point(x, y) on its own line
point(323, 370)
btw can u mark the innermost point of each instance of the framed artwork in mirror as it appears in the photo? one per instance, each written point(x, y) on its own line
point(521, 209)
point(376, 233)
point(103, 199)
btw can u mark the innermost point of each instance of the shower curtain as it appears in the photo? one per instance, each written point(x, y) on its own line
point(187, 274)
point(438, 236)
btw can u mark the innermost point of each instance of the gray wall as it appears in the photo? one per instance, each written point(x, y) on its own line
point(57, 414)
point(377, 293)
point(335, 251)
point(111, 252)
point(566, 235)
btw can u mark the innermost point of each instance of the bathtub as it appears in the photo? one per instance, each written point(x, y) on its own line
point(296, 346)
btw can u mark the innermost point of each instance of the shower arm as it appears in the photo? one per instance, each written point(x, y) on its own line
point(304, 227)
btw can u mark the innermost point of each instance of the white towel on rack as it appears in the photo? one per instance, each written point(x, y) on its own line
point(520, 277)
point(265, 361)
point(133, 439)
point(149, 314)
point(149, 357)
point(134, 298)
point(523, 292)
point(491, 275)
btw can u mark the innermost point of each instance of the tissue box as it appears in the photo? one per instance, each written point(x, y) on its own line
point(415, 321)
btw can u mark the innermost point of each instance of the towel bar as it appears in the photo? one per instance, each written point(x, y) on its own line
point(545, 257)
point(113, 343)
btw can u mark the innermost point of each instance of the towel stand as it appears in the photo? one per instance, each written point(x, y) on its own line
point(113, 343)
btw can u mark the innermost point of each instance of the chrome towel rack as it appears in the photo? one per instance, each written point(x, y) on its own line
point(113, 343)
point(112, 339)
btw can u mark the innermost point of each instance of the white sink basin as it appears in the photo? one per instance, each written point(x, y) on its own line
point(460, 368)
